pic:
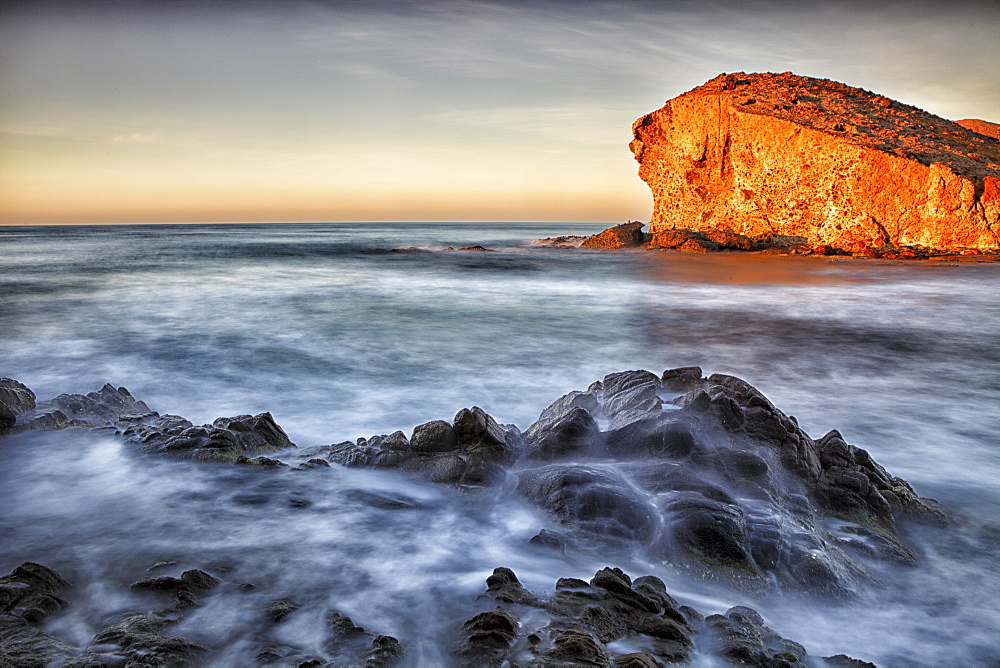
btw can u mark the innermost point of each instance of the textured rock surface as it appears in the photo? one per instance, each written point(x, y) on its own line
point(577, 624)
point(816, 159)
point(620, 236)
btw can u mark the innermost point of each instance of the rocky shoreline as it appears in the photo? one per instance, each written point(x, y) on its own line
point(702, 474)
point(630, 236)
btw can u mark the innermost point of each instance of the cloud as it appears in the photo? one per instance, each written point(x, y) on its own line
point(142, 137)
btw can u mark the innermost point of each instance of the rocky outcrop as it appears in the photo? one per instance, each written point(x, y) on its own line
point(576, 625)
point(471, 450)
point(621, 236)
point(226, 439)
point(819, 160)
point(703, 474)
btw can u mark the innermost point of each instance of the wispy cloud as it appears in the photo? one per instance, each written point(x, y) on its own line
point(141, 137)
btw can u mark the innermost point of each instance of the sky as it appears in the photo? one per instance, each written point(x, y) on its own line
point(296, 110)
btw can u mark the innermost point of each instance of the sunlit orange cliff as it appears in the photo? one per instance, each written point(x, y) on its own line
point(813, 158)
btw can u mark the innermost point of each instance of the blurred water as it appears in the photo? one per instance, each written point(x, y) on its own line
point(338, 337)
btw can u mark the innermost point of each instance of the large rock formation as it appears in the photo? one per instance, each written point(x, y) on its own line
point(813, 158)
point(705, 474)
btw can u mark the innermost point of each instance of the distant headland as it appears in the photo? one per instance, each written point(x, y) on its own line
point(784, 161)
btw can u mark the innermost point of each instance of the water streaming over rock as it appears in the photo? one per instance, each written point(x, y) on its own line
point(339, 335)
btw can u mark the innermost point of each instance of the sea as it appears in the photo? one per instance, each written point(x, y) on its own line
point(343, 330)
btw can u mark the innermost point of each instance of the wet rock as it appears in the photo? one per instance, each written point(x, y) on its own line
point(97, 409)
point(681, 379)
point(582, 616)
point(630, 395)
point(488, 637)
point(226, 439)
point(597, 501)
point(278, 610)
point(385, 652)
point(183, 589)
point(664, 436)
point(709, 533)
point(844, 661)
point(625, 235)
point(140, 640)
point(471, 451)
point(575, 648)
point(436, 436)
point(504, 586)
point(571, 434)
point(15, 399)
point(742, 638)
point(28, 595)
point(549, 539)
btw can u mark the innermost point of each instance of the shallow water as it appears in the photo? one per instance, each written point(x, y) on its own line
point(339, 338)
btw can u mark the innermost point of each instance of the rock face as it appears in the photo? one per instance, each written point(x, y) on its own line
point(819, 160)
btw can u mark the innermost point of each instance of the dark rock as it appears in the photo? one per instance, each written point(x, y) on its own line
point(635, 660)
point(27, 596)
point(571, 628)
point(504, 586)
point(278, 610)
point(182, 589)
point(711, 535)
point(572, 434)
point(844, 661)
point(140, 641)
point(488, 637)
point(576, 648)
point(549, 539)
point(226, 439)
point(629, 395)
point(681, 379)
point(621, 236)
point(478, 432)
point(15, 399)
point(597, 501)
point(385, 652)
point(664, 436)
point(742, 638)
point(101, 408)
point(436, 436)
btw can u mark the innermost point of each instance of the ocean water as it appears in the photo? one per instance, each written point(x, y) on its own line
point(338, 337)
